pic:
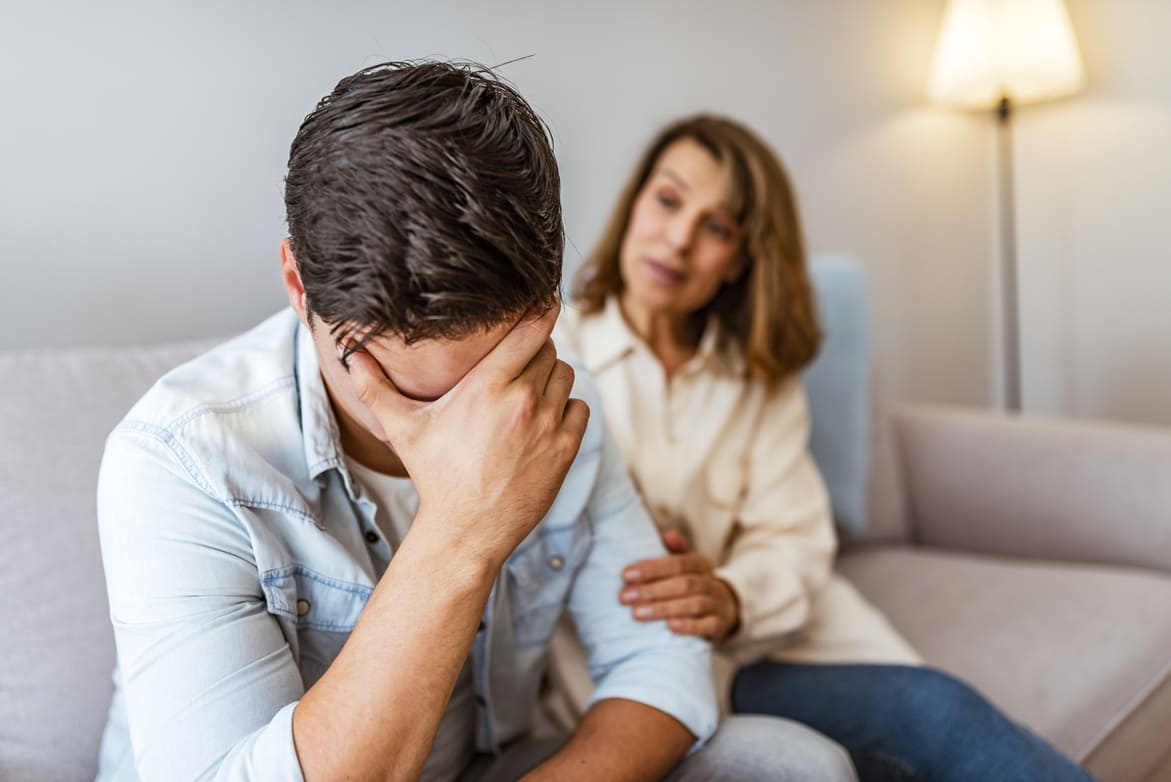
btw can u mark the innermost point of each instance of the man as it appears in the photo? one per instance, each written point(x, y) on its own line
point(336, 547)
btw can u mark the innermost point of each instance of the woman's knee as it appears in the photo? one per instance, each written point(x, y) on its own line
point(939, 696)
point(928, 708)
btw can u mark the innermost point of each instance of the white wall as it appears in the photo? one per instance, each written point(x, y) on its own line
point(1094, 195)
point(142, 148)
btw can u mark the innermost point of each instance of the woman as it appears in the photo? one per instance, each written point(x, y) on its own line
point(695, 315)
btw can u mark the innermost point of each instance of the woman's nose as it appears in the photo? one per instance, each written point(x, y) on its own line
point(680, 232)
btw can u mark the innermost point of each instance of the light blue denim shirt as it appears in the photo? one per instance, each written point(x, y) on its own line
point(239, 554)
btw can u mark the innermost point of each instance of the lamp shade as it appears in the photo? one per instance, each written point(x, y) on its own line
point(1020, 49)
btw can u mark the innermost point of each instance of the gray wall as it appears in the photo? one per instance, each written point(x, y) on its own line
point(1094, 195)
point(142, 149)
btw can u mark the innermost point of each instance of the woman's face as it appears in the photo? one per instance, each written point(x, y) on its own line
point(680, 244)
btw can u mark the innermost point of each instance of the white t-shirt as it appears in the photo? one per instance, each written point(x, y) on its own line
point(396, 503)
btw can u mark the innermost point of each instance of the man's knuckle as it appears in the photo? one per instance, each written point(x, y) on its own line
point(523, 403)
point(568, 444)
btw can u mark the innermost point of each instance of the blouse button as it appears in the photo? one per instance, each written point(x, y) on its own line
point(371, 537)
point(302, 607)
point(556, 562)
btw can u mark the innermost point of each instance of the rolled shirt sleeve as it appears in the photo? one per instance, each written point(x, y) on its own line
point(638, 661)
point(210, 683)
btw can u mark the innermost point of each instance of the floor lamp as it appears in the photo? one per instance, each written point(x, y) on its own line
point(999, 54)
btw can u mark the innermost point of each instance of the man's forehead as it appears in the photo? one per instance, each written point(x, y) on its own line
point(426, 369)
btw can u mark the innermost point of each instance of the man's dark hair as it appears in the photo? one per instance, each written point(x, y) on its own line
point(423, 200)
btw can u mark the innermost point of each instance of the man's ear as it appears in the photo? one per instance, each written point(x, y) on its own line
point(292, 280)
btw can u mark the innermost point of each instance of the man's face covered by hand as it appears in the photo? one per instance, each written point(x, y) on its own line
point(424, 370)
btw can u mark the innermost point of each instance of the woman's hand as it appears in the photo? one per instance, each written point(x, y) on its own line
point(682, 589)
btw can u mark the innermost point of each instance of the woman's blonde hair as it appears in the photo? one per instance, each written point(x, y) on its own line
point(769, 309)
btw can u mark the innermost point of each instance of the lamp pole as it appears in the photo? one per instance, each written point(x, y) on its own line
point(1010, 317)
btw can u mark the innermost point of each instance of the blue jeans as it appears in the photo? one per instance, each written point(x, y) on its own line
point(902, 722)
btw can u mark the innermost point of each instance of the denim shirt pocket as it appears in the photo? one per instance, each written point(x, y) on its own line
point(319, 611)
point(540, 574)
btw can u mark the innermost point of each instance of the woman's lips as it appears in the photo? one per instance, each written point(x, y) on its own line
point(664, 274)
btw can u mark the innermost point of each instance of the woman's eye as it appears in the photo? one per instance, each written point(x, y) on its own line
point(668, 201)
point(719, 230)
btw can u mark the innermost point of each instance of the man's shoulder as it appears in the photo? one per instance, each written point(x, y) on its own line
point(230, 415)
point(225, 378)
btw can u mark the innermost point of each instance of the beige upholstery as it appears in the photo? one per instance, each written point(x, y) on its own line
point(886, 512)
point(57, 647)
point(1035, 487)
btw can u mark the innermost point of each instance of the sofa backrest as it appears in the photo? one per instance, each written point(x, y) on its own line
point(57, 651)
point(852, 437)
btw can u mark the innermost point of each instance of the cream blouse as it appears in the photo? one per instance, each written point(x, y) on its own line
point(724, 459)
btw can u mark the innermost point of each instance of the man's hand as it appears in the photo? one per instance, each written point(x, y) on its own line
point(488, 457)
point(681, 588)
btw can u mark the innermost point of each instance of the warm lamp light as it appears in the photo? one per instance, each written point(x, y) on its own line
point(1023, 50)
point(999, 53)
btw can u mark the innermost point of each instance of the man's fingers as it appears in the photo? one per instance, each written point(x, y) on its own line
point(512, 355)
point(575, 420)
point(375, 390)
point(540, 367)
point(665, 567)
point(560, 384)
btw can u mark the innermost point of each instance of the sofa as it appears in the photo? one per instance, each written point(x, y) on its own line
point(1031, 557)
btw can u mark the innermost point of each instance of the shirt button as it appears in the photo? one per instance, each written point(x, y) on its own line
point(371, 537)
point(556, 563)
point(302, 607)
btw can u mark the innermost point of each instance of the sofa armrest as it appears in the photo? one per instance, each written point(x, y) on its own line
point(1036, 487)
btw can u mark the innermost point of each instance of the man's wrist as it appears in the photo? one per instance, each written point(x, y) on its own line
point(433, 536)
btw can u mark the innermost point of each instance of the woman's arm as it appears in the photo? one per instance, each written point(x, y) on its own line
point(782, 553)
point(780, 556)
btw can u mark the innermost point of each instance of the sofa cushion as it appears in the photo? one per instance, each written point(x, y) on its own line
point(838, 386)
point(56, 408)
point(887, 519)
point(1077, 652)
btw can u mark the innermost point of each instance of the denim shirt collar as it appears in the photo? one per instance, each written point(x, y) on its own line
point(319, 428)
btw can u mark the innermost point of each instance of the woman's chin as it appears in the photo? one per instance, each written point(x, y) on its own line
point(653, 302)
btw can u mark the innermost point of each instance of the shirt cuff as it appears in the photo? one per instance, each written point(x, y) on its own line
point(268, 753)
point(683, 691)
